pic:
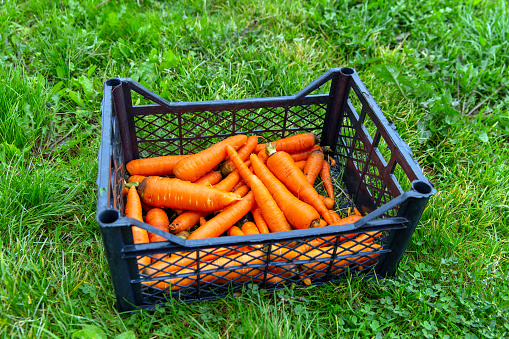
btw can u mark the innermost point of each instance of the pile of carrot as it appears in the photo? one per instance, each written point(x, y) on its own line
point(209, 194)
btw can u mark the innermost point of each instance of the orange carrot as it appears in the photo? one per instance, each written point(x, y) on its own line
point(331, 160)
point(228, 183)
point(227, 167)
point(294, 143)
point(349, 220)
point(136, 177)
point(263, 155)
point(249, 228)
point(283, 167)
point(196, 165)
point(133, 210)
point(242, 190)
point(178, 194)
point(211, 178)
point(272, 214)
point(260, 222)
point(202, 221)
point(239, 184)
point(327, 181)
point(298, 213)
point(244, 171)
point(300, 164)
point(188, 219)
point(154, 166)
point(313, 166)
point(303, 155)
point(224, 220)
point(157, 218)
point(335, 217)
point(329, 203)
point(356, 211)
point(234, 231)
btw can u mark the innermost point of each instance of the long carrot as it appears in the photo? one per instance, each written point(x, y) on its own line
point(154, 166)
point(178, 194)
point(249, 228)
point(259, 220)
point(243, 169)
point(327, 181)
point(332, 161)
point(298, 213)
point(211, 178)
point(227, 167)
point(271, 212)
point(136, 177)
point(242, 190)
point(263, 155)
point(159, 219)
point(133, 210)
point(188, 219)
point(283, 167)
point(303, 155)
point(224, 220)
point(349, 220)
point(329, 203)
point(228, 183)
point(300, 164)
point(196, 165)
point(335, 217)
point(234, 231)
point(239, 184)
point(313, 166)
point(294, 143)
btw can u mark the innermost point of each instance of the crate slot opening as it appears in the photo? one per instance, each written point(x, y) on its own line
point(347, 70)
point(421, 187)
point(113, 82)
point(108, 216)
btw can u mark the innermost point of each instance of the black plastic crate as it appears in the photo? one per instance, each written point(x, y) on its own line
point(375, 169)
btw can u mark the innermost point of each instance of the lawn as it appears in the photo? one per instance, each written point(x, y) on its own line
point(438, 70)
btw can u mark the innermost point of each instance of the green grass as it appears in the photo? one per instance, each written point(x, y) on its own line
point(436, 68)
